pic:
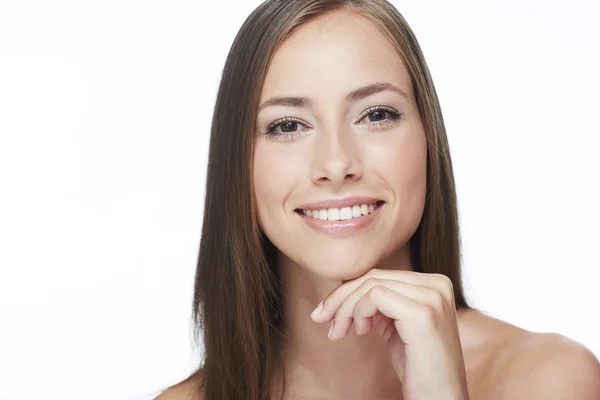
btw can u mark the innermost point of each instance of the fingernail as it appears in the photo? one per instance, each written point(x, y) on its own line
point(330, 329)
point(317, 310)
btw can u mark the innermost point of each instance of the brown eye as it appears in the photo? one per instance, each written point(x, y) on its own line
point(289, 126)
point(378, 115)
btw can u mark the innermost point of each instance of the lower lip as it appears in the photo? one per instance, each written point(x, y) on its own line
point(341, 228)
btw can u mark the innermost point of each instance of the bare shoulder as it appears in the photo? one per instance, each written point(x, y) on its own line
point(504, 362)
point(189, 389)
point(551, 366)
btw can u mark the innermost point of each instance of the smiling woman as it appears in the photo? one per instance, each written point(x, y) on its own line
point(330, 189)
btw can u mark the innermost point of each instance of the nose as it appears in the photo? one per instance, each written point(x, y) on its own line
point(336, 158)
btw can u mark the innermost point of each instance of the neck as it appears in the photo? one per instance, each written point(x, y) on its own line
point(356, 367)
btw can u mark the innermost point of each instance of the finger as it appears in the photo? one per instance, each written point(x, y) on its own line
point(372, 323)
point(346, 313)
point(364, 325)
point(381, 299)
point(433, 281)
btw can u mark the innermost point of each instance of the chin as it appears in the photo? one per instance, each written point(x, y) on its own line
point(341, 266)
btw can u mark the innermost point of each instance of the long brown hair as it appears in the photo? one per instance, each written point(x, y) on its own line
point(237, 300)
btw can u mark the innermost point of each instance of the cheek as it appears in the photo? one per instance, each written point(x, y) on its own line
point(401, 161)
point(274, 175)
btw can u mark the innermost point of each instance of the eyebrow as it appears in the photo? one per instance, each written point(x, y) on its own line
point(355, 95)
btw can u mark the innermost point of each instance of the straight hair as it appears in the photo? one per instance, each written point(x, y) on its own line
point(237, 303)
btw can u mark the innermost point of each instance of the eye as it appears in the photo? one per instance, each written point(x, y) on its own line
point(286, 126)
point(379, 116)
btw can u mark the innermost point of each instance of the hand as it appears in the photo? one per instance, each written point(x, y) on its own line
point(415, 315)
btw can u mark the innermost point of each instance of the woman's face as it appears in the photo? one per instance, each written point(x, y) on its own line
point(352, 140)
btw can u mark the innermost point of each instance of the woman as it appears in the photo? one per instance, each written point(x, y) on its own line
point(330, 187)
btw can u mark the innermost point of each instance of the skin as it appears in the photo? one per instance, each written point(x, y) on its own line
point(396, 333)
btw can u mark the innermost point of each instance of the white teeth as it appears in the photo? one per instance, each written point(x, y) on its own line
point(346, 213)
point(337, 214)
point(364, 209)
point(333, 214)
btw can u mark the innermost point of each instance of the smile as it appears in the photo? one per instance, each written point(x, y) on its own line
point(341, 214)
point(342, 221)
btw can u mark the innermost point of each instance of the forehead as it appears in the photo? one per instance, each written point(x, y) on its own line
point(330, 56)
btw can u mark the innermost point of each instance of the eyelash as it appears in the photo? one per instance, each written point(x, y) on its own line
point(393, 116)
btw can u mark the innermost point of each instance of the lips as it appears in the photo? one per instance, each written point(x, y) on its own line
point(341, 214)
point(343, 227)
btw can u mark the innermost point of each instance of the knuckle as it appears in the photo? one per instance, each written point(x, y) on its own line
point(370, 282)
point(443, 279)
point(376, 290)
point(372, 272)
point(446, 286)
point(438, 300)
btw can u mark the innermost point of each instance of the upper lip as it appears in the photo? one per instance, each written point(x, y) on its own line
point(339, 203)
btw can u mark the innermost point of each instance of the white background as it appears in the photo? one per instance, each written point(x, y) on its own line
point(105, 112)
